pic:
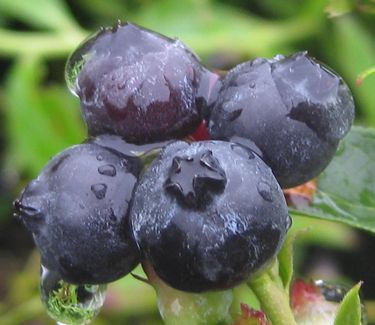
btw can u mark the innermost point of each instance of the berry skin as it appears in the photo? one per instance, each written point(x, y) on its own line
point(139, 84)
point(77, 211)
point(292, 111)
point(208, 215)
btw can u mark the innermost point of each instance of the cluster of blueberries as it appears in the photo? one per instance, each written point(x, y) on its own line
point(204, 214)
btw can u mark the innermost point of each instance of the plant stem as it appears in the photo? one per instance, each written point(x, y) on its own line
point(365, 74)
point(45, 44)
point(273, 299)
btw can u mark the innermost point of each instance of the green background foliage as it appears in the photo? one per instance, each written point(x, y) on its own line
point(39, 117)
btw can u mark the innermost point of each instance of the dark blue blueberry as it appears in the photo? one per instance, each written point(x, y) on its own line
point(139, 84)
point(208, 215)
point(77, 211)
point(292, 111)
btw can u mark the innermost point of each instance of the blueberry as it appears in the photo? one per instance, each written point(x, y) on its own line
point(77, 211)
point(139, 84)
point(293, 111)
point(208, 215)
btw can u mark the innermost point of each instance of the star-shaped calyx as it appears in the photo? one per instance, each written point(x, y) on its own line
point(194, 179)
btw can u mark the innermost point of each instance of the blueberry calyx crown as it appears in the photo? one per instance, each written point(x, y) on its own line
point(23, 209)
point(194, 178)
point(29, 212)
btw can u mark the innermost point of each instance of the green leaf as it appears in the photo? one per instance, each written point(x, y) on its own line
point(352, 50)
point(226, 28)
point(285, 258)
point(346, 189)
point(40, 121)
point(337, 8)
point(39, 44)
point(52, 14)
point(349, 311)
point(142, 299)
point(325, 233)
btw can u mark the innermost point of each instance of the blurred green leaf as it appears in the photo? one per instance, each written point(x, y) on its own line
point(41, 121)
point(129, 296)
point(337, 8)
point(366, 6)
point(325, 233)
point(41, 44)
point(346, 189)
point(51, 14)
point(350, 308)
point(227, 28)
point(278, 8)
point(352, 48)
point(107, 12)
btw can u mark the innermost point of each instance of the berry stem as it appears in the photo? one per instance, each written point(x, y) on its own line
point(273, 299)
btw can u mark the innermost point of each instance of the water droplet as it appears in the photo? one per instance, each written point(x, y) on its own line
point(99, 157)
point(331, 292)
point(258, 61)
point(264, 190)
point(241, 150)
point(99, 190)
point(77, 61)
point(70, 303)
point(107, 170)
point(278, 57)
point(252, 84)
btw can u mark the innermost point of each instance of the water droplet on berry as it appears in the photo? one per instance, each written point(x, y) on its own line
point(278, 57)
point(258, 61)
point(99, 157)
point(264, 190)
point(107, 170)
point(76, 62)
point(241, 150)
point(70, 303)
point(99, 190)
point(252, 84)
